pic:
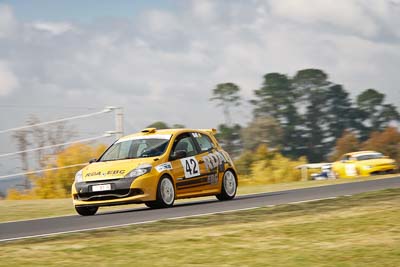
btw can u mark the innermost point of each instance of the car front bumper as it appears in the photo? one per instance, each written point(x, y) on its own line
point(379, 169)
point(123, 191)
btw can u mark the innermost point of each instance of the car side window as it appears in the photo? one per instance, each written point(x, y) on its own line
point(203, 141)
point(185, 143)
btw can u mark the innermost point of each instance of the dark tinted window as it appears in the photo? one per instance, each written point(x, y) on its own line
point(370, 156)
point(185, 143)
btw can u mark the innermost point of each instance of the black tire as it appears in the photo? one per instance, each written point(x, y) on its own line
point(151, 204)
point(228, 187)
point(165, 194)
point(86, 211)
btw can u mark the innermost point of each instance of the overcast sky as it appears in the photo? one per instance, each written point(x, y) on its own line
point(161, 59)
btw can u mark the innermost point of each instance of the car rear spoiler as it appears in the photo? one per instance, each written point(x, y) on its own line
point(212, 131)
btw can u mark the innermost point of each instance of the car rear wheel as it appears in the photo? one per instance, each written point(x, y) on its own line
point(229, 186)
point(86, 211)
point(165, 194)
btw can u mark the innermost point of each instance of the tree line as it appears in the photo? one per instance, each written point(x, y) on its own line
point(302, 115)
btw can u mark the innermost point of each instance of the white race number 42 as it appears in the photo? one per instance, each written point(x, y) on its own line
point(190, 167)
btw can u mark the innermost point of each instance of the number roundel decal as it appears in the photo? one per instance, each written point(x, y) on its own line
point(190, 167)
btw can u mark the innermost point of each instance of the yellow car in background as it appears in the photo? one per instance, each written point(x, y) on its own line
point(155, 167)
point(363, 163)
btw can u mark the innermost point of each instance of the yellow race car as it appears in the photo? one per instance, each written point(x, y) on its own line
point(363, 163)
point(155, 167)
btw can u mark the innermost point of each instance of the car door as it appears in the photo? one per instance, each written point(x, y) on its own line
point(350, 169)
point(209, 158)
point(345, 168)
point(188, 166)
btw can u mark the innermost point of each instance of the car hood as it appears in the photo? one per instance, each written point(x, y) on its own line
point(376, 162)
point(111, 169)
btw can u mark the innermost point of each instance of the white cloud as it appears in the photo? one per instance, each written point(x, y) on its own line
point(160, 21)
point(204, 10)
point(8, 23)
point(347, 15)
point(55, 28)
point(8, 81)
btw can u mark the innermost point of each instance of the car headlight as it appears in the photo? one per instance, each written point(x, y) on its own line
point(139, 171)
point(78, 177)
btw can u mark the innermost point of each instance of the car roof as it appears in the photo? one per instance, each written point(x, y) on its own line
point(155, 132)
point(361, 152)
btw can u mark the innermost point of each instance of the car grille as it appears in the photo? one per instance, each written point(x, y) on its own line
point(108, 195)
point(120, 188)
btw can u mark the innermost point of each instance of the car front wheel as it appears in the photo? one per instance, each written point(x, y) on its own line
point(165, 194)
point(229, 186)
point(86, 211)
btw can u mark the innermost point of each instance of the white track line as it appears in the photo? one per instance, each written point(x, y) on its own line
point(153, 221)
point(122, 225)
point(311, 200)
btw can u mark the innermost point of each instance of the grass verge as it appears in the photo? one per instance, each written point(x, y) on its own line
point(362, 230)
point(11, 210)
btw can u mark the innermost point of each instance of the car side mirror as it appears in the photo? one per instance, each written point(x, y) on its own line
point(179, 155)
point(92, 160)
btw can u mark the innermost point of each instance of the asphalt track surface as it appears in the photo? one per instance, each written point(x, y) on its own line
point(68, 224)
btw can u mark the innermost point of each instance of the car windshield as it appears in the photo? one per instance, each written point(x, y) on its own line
point(136, 148)
point(370, 156)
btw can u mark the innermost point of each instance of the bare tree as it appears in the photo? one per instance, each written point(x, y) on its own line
point(59, 133)
point(40, 136)
point(21, 138)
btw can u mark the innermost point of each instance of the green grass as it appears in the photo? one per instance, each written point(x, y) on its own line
point(11, 210)
point(362, 230)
